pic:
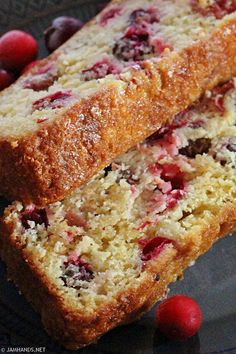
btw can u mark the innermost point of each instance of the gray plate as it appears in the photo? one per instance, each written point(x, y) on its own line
point(212, 281)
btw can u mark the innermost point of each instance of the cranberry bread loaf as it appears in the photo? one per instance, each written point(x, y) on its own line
point(114, 83)
point(104, 255)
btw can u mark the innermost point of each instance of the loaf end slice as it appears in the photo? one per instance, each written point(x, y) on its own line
point(119, 79)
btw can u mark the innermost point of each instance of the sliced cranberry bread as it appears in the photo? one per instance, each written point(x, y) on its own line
point(104, 255)
point(114, 83)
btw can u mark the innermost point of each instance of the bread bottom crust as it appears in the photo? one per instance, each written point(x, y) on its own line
point(74, 330)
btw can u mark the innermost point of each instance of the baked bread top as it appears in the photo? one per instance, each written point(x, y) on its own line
point(113, 84)
point(107, 252)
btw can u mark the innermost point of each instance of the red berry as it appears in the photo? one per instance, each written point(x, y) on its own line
point(53, 101)
point(151, 248)
point(109, 14)
point(219, 8)
point(179, 317)
point(39, 216)
point(6, 79)
point(17, 49)
point(134, 45)
point(29, 66)
point(101, 69)
point(61, 30)
point(142, 16)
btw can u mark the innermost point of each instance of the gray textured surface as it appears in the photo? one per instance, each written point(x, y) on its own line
point(212, 281)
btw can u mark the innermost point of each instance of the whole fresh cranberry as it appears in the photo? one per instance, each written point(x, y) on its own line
point(17, 49)
point(179, 317)
point(39, 82)
point(62, 28)
point(6, 79)
point(216, 101)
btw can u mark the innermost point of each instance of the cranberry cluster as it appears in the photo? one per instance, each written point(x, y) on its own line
point(219, 8)
point(18, 51)
point(38, 216)
point(135, 45)
point(76, 270)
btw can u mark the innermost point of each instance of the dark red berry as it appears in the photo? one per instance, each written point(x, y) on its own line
point(101, 69)
point(181, 120)
point(134, 45)
point(151, 248)
point(17, 49)
point(197, 147)
point(42, 120)
point(159, 46)
point(171, 173)
point(39, 83)
point(76, 270)
point(6, 79)
point(40, 79)
point(39, 216)
point(179, 317)
point(216, 101)
point(198, 123)
point(60, 31)
point(53, 101)
point(173, 197)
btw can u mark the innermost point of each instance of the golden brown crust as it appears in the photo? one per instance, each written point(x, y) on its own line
point(75, 330)
point(45, 166)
